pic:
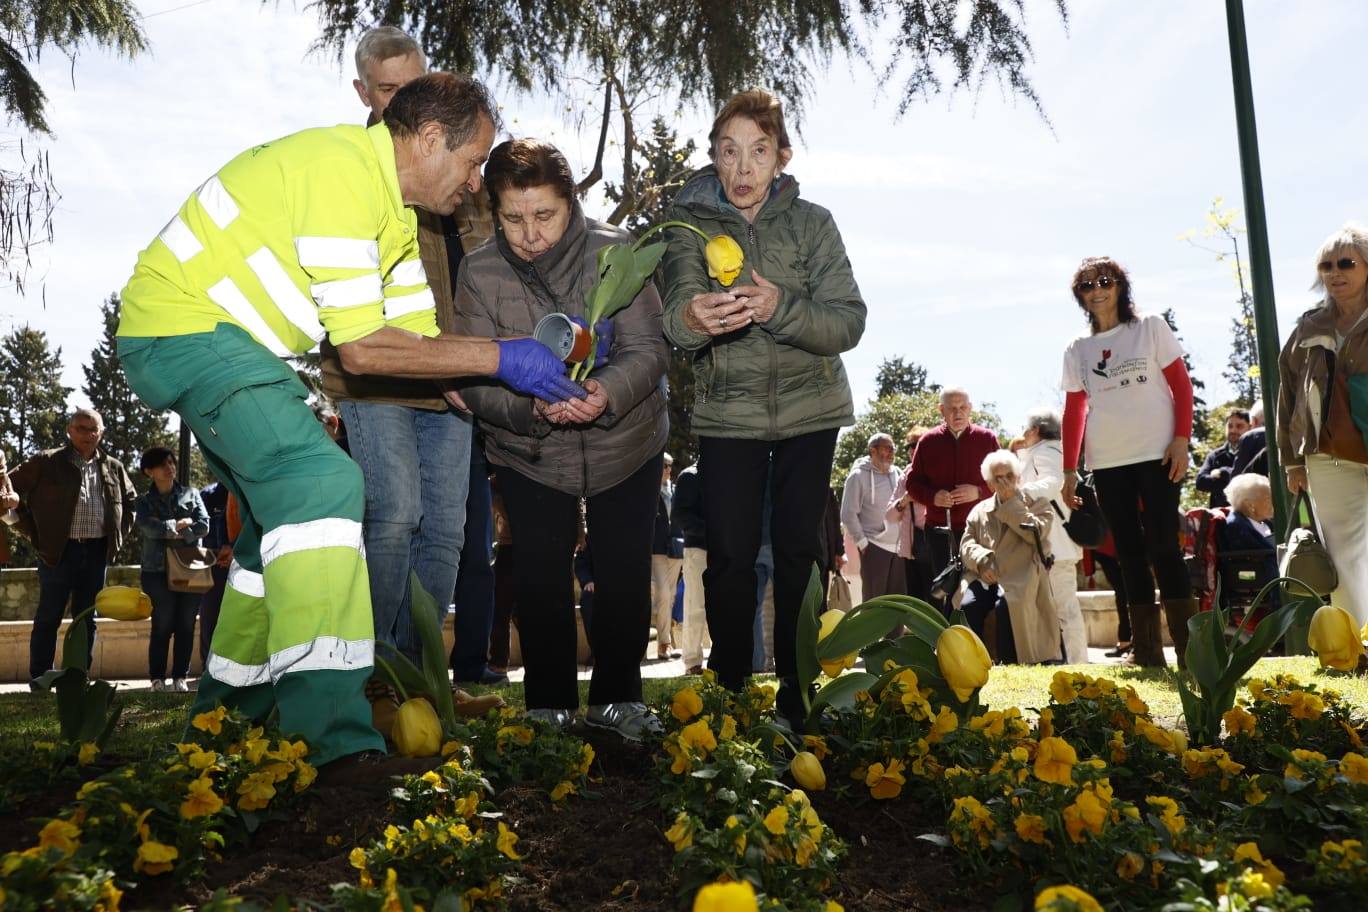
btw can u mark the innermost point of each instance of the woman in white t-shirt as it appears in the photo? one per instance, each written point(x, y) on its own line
point(1126, 379)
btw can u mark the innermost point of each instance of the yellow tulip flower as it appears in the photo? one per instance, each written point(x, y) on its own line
point(1334, 637)
point(724, 258)
point(417, 732)
point(963, 660)
point(828, 622)
point(807, 771)
point(737, 896)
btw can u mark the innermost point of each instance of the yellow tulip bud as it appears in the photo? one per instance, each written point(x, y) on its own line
point(1334, 637)
point(828, 621)
point(724, 258)
point(417, 731)
point(734, 896)
point(807, 771)
point(963, 660)
point(123, 603)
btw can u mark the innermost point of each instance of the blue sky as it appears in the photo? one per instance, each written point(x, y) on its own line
point(964, 218)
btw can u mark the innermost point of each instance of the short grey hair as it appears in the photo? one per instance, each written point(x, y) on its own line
point(1256, 412)
point(1353, 235)
point(1046, 423)
point(383, 43)
point(85, 413)
point(999, 459)
point(1244, 489)
point(949, 391)
point(880, 438)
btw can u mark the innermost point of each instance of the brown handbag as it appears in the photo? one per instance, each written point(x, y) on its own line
point(189, 568)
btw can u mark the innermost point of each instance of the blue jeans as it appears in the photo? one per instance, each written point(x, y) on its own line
point(475, 586)
point(416, 465)
point(173, 615)
point(78, 576)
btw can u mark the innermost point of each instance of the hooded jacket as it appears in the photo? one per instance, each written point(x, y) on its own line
point(782, 378)
point(498, 294)
point(864, 504)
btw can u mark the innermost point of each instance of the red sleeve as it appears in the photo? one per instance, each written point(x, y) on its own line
point(1180, 384)
point(1075, 417)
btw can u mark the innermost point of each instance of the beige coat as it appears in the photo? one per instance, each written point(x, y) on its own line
point(994, 538)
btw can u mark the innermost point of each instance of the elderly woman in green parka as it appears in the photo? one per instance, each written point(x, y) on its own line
point(771, 392)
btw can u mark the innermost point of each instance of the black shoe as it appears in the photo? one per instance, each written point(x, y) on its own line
point(487, 678)
point(1120, 651)
point(372, 770)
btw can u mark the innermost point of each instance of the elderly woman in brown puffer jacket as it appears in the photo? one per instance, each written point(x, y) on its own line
point(1005, 549)
point(605, 448)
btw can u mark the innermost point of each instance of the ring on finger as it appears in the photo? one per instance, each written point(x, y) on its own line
point(721, 321)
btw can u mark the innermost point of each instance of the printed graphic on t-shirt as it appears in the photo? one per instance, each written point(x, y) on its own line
point(1122, 374)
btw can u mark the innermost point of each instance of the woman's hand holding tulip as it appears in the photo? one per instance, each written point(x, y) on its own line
point(716, 313)
point(762, 298)
point(583, 411)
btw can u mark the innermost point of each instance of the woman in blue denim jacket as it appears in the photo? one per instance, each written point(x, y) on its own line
point(169, 513)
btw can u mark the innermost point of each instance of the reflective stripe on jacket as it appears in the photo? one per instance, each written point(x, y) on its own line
point(294, 238)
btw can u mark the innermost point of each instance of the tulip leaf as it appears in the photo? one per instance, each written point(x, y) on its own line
point(916, 605)
point(427, 622)
point(76, 643)
point(399, 671)
point(805, 657)
point(840, 693)
point(862, 626)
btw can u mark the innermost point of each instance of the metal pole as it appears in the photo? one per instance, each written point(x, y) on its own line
point(1261, 267)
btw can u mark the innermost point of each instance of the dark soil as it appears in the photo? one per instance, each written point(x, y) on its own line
point(603, 850)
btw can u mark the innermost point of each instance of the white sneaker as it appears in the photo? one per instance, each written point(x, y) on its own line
point(632, 721)
point(179, 686)
point(159, 685)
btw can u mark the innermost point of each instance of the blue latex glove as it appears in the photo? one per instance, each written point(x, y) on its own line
point(603, 330)
point(529, 367)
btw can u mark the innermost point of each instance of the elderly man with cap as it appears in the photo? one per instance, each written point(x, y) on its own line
point(873, 484)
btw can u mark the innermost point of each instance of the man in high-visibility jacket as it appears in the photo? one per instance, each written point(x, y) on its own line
point(307, 236)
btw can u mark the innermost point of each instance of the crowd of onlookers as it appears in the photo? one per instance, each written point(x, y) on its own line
point(516, 499)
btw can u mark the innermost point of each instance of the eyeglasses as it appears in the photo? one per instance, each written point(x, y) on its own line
point(1343, 264)
point(1087, 285)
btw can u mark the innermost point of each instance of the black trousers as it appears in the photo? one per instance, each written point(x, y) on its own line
point(474, 597)
point(210, 604)
point(173, 624)
point(981, 600)
point(1146, 539)
point(918, 569)
point(1112, 567)
point(545, 523)
point(942, 545)
point(733, 479)
point(78, 577)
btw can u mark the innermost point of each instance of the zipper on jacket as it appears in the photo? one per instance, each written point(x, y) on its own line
point(752, 240)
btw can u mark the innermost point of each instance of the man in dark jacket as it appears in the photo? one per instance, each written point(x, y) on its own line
point(945, 474)
point(76, 504)
point(688, 518)
point(1252, 453)
point(1216, 470)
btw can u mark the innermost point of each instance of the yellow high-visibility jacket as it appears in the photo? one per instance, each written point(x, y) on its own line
point(292, 239)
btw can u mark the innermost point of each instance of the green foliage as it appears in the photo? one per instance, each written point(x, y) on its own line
point(898, 376)
point(1218, 661)
point(28, 27)
point(32, 397)
point(895, 414)
point(86, 709)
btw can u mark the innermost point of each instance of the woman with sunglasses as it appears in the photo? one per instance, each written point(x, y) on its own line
point(1321, 449)
point(1127, 381)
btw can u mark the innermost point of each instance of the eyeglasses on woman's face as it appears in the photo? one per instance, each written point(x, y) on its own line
point(1086, 285)
point(1343, 264)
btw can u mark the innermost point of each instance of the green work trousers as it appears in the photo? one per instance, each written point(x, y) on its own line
point(295, 632)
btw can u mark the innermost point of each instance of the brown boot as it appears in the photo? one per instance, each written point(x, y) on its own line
point(1148, 640)
point(469, 707)
point(384, 706)
point(1177, 611)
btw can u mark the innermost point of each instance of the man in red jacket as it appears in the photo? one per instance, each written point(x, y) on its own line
point(945, 474)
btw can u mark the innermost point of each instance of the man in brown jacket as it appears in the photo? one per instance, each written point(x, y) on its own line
point(76, 505)
point(412, 438)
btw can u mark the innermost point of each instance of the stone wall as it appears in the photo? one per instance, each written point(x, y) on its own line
point(19, 590)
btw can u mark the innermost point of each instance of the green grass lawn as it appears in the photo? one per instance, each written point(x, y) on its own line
point(152, 719)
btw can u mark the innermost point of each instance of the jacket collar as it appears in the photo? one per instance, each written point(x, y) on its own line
point(703, 193)
point(383, 143)
point(557, 270)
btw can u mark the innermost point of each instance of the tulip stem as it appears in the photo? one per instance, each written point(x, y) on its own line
point(673, 224)
point(394, 678)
